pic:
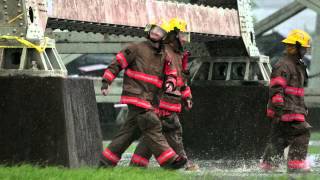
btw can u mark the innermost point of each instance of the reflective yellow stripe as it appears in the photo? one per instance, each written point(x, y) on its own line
point(39, 48)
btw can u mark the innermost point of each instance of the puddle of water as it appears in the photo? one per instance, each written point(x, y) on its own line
point(314, 143)
point(233, 168)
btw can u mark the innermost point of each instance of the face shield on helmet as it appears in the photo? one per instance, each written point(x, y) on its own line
point(156, 32)
point(180, 27)
point(184, 37)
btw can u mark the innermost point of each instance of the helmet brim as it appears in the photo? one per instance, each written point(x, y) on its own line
point(287, 41)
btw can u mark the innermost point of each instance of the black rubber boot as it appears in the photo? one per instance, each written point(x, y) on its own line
point(178, 163)
point(105, 163)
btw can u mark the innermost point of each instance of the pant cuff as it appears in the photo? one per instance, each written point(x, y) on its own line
point(166, 156)
point(298, 164)
point(138, 160)
point(110, 156)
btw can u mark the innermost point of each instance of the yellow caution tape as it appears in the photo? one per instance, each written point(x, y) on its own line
point(26, 43)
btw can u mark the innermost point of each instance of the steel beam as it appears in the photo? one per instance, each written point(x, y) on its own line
point(89, 48)
point(314, 85)
point(89, 43)
point(68, 58)
point(82, 37)
point(278, 17)
point(23, 18)
point(311, 4)
point(96, 15)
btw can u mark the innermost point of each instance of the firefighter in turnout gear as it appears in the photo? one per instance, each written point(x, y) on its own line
point(286, 107)
point(143, 64)
point(175, 93)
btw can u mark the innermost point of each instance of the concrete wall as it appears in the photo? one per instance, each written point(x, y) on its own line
point(49, 121)
point(226, 121)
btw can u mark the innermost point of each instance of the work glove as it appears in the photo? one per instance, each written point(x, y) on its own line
point(105, 88)
point(188, 104)
point(169, 87)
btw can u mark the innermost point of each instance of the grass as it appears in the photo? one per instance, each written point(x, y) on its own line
point(315, 136)
point(314, 150)
point(128, 173)
point(52, 173)
point(26, 172)
point(263, 176)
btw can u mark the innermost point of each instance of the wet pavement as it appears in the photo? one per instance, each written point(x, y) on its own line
point(239, 169)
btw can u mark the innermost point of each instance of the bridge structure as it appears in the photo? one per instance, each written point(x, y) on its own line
point(226, 27)
point(230, 73)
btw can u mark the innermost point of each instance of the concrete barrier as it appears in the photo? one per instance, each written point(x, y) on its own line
point(226, 121)
point(49, 121)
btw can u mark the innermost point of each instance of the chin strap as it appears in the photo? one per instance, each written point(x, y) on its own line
point(298, 47)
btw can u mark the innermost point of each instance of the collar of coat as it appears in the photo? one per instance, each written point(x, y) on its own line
point(296, 59)
point(158, 47)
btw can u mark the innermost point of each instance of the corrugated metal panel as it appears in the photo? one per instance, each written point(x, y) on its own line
point(137, 13)
point(217, 3)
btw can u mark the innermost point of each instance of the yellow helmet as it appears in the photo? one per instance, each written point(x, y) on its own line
point(163, 24)
point(298, 36)
point(179, 24)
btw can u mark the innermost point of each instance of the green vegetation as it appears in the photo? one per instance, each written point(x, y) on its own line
point(263, 176)
point(52, 173)
point(27, 172)
point(314, 150)
point(315, 136)
point(154, 172)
